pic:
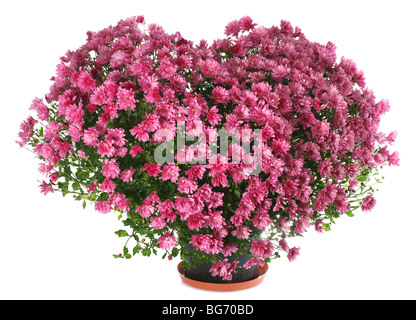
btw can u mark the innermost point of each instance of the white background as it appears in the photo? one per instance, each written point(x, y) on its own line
point(50, 248)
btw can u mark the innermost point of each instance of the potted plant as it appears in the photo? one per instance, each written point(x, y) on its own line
point(217, 153)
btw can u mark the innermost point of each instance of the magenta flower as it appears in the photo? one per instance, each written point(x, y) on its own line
point(41, 109)
point(262, 248)
point(224, 269)
point(140, 133)
point(125, 99)
point(283, 245)
point(103, 206)
point(108, 186)
point(46, 188)
point(293, 253)
point(252, 262)
point(26, 131)
point(105, 149)
point(210, 67)
point(85, 82)
point(170, 172)
point(152, 169)
point(158, 222)
point(110, 169)
point(127, 175)
point(186, 186)
point(368, 203)
point(166, 241)
point(90, 136)
point(145, 210)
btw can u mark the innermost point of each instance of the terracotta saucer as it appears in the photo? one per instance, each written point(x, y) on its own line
point(224, 286)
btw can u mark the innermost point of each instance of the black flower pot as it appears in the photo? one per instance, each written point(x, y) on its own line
point(200, 272)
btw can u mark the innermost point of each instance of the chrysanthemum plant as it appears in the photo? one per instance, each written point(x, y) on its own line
point(231, 147)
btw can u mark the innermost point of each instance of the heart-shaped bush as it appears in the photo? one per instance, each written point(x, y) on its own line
point(232, 147)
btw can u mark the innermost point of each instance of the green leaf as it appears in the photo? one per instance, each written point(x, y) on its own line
point(82, 175)
point(127, 255)
point(122, 233)
point(84, 204)
point(146, 252)
point(349, 213)
point(362, 178)
point(327, 227)
point(93, 196)
point(186, 265)
point(136, 249)
point(76, 186)
point(175, 252)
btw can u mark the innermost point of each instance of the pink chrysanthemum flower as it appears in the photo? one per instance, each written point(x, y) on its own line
point(319, 227)
point(368, 203)
point(41, 109)
point(145, 210)
point(166, 209)
point(213, 117)
point(115, 137)
point(195, 221)
point(166, 241)
point(158, 222)
point(210, 68)
point(170, 172)
point(85, 82)
point(246, 24)
point(224, 269)
point(186, 186)
point(110, 111)
point(119, 201)
point(228, 249)
point(262, 248)
point(241, 232)
point(151, 123)
point(105, 149)
point(26, 131)
point(152, 169)
point(293, 253)
point(82, 154)
point(140, 133)
point(110, 169)
point(102, 206)
point(90, 136)
point(394, 159)
point(125, 99)
point(44, 168)
point(52, 131)
point(127, 175)
point(166, 69)
point(252, 262)
point(233, 28)
point(152, 198)
point(261, 220)
point(46, 188)
point(108, 186)
point(135, 150)
point(201, 241)
point(283, 245)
